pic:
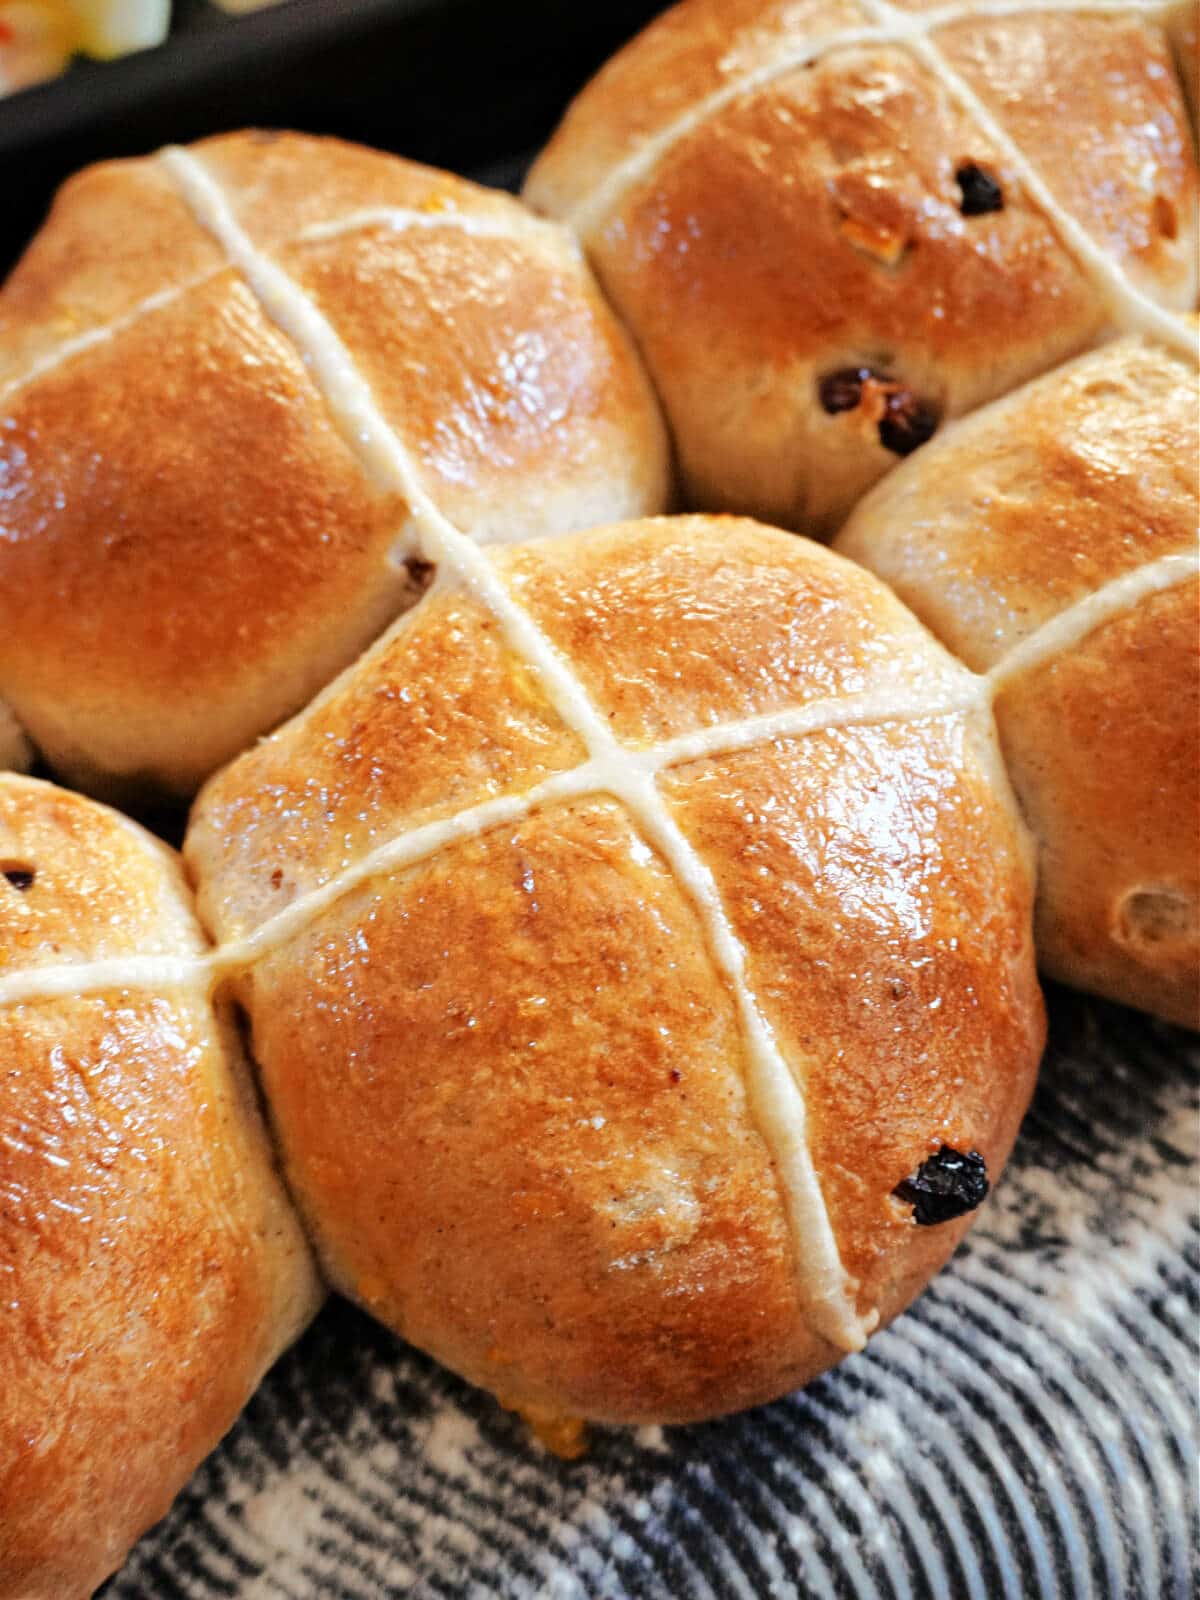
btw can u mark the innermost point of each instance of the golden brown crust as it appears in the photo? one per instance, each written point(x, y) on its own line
point(815, 226)
point(191, 548)
point(536, 1159)
point(1104, 748)
point(1095, 102)
point(437, 717)
point(105, 887)
point(612, 604)
point(149, 628)
point(689, 53)
point(886, 912)
point(509, 1078)
point(281, 183)
point(1077, 481)
point(117, 234)
point(152, 1265)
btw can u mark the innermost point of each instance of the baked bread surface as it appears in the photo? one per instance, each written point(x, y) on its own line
point(506, 1061)
point(191, 542)
point(778, 197)
point(1081, 485)
point(151, 1266)
point(15, 753)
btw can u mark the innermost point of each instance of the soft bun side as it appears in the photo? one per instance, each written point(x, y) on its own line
point(1076, 498)
point(507, 1060)
point(151, 1263)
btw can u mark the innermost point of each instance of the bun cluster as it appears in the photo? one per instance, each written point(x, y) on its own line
point(631, 933)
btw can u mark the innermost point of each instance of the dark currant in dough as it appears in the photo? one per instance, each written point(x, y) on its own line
point(906, 423)
point(980, 191)
point(947, 1185)
point(903, 419)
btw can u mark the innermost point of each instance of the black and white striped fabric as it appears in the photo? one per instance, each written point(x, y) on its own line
point(1028, 1429)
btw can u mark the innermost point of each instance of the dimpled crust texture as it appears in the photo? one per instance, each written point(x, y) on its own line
point(150, 1265)
point(189, 546)
point(1027, 513)
point(506, 1065)
point(773, 200)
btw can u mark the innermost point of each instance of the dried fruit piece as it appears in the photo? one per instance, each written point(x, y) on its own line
point(842, 390)
point(903, 418)
point(947, 1185)
point(908, 422)
point(980, 192)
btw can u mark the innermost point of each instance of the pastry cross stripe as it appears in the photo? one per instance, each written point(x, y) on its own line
point(1121, 594)
point(1135, 311)
point(1132, 310)
point(418, 844)
point(397, 219)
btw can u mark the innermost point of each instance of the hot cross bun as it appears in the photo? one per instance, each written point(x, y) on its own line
point(151, 1267)
point(1050, 541)
point(832, 225)
point(629, 940)
point(870, 218)
point(189, 546)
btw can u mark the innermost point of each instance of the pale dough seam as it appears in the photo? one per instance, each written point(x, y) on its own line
point(771, 1085)
point(403, 219)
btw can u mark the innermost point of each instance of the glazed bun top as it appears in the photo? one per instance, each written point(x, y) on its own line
point(152, 1267)
point(831, 225)
point(617, 935)
point(195, 534)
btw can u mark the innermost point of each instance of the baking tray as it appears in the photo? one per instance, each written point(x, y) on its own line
point(1028, 1429)
point(474, 85)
